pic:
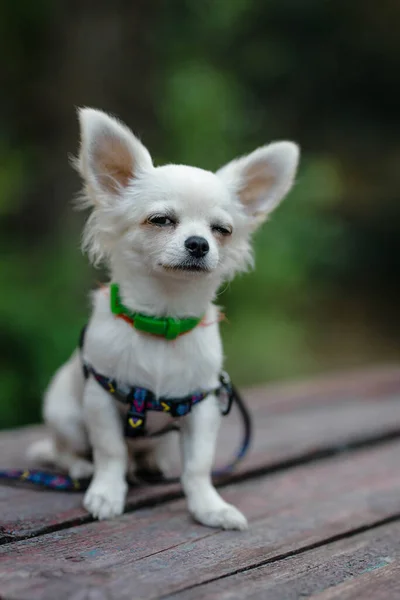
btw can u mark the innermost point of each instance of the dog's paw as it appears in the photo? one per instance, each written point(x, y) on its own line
point(105, 501)
point(227, 517)
point(81, 469)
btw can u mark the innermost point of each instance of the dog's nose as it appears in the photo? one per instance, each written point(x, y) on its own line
point(197, 246)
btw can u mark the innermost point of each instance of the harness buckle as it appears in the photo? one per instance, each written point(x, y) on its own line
point(225, 393)
point(135, 425)
point(173, 329)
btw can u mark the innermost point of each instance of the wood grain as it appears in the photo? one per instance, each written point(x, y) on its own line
point(156, 552)
point(381, 584)
point(324, 416)
point(360, 567)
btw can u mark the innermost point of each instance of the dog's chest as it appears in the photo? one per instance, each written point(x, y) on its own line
point(168, 368)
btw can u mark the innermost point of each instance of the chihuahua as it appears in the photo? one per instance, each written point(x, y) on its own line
point(169, 236)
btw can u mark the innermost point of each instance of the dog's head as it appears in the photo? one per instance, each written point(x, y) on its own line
point(174, 220)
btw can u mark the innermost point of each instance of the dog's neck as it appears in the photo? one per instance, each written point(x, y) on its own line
point(165, 296)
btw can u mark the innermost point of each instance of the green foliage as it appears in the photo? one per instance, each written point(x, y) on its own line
point(200, 100)
point(42, 308)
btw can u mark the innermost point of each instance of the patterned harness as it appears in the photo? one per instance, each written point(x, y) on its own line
point(140, 400)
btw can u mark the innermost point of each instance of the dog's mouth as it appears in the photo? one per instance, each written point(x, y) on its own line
point(188, 267)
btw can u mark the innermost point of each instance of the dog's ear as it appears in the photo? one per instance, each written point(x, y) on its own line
point(261, 179)
point(110, 155)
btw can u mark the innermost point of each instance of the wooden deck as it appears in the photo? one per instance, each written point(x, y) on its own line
point(321, 489)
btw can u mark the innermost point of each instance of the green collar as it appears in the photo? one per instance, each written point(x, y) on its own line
point(167, 327)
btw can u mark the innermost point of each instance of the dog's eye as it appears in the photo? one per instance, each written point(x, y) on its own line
point(160, 220)
point(222, 229)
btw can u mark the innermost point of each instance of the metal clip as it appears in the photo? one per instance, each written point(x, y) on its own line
point(225, 393)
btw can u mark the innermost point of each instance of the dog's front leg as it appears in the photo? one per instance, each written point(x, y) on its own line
point(105, 497)
point(198, 441)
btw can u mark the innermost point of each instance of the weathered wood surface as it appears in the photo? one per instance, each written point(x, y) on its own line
point(382, 584)
point(157, 552)
point(293, 423)
point(361, 567)
point(324, 524)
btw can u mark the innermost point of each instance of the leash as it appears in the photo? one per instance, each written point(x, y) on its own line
point(64, 483)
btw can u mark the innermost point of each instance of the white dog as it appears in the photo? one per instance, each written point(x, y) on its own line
point(170, 236)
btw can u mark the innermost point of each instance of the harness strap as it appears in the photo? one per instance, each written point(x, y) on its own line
point(140, 400)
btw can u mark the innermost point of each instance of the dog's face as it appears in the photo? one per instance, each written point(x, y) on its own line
point(175, 221)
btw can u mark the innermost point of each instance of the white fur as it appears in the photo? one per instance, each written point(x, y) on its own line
point(123, 188)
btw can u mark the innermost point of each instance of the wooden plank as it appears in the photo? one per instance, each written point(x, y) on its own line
point(362, 566)
point(381, 584)
point(158, 551)
point(372, 382)
point(321, 418)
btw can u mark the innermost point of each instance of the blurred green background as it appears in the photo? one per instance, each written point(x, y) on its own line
point(201, 82)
